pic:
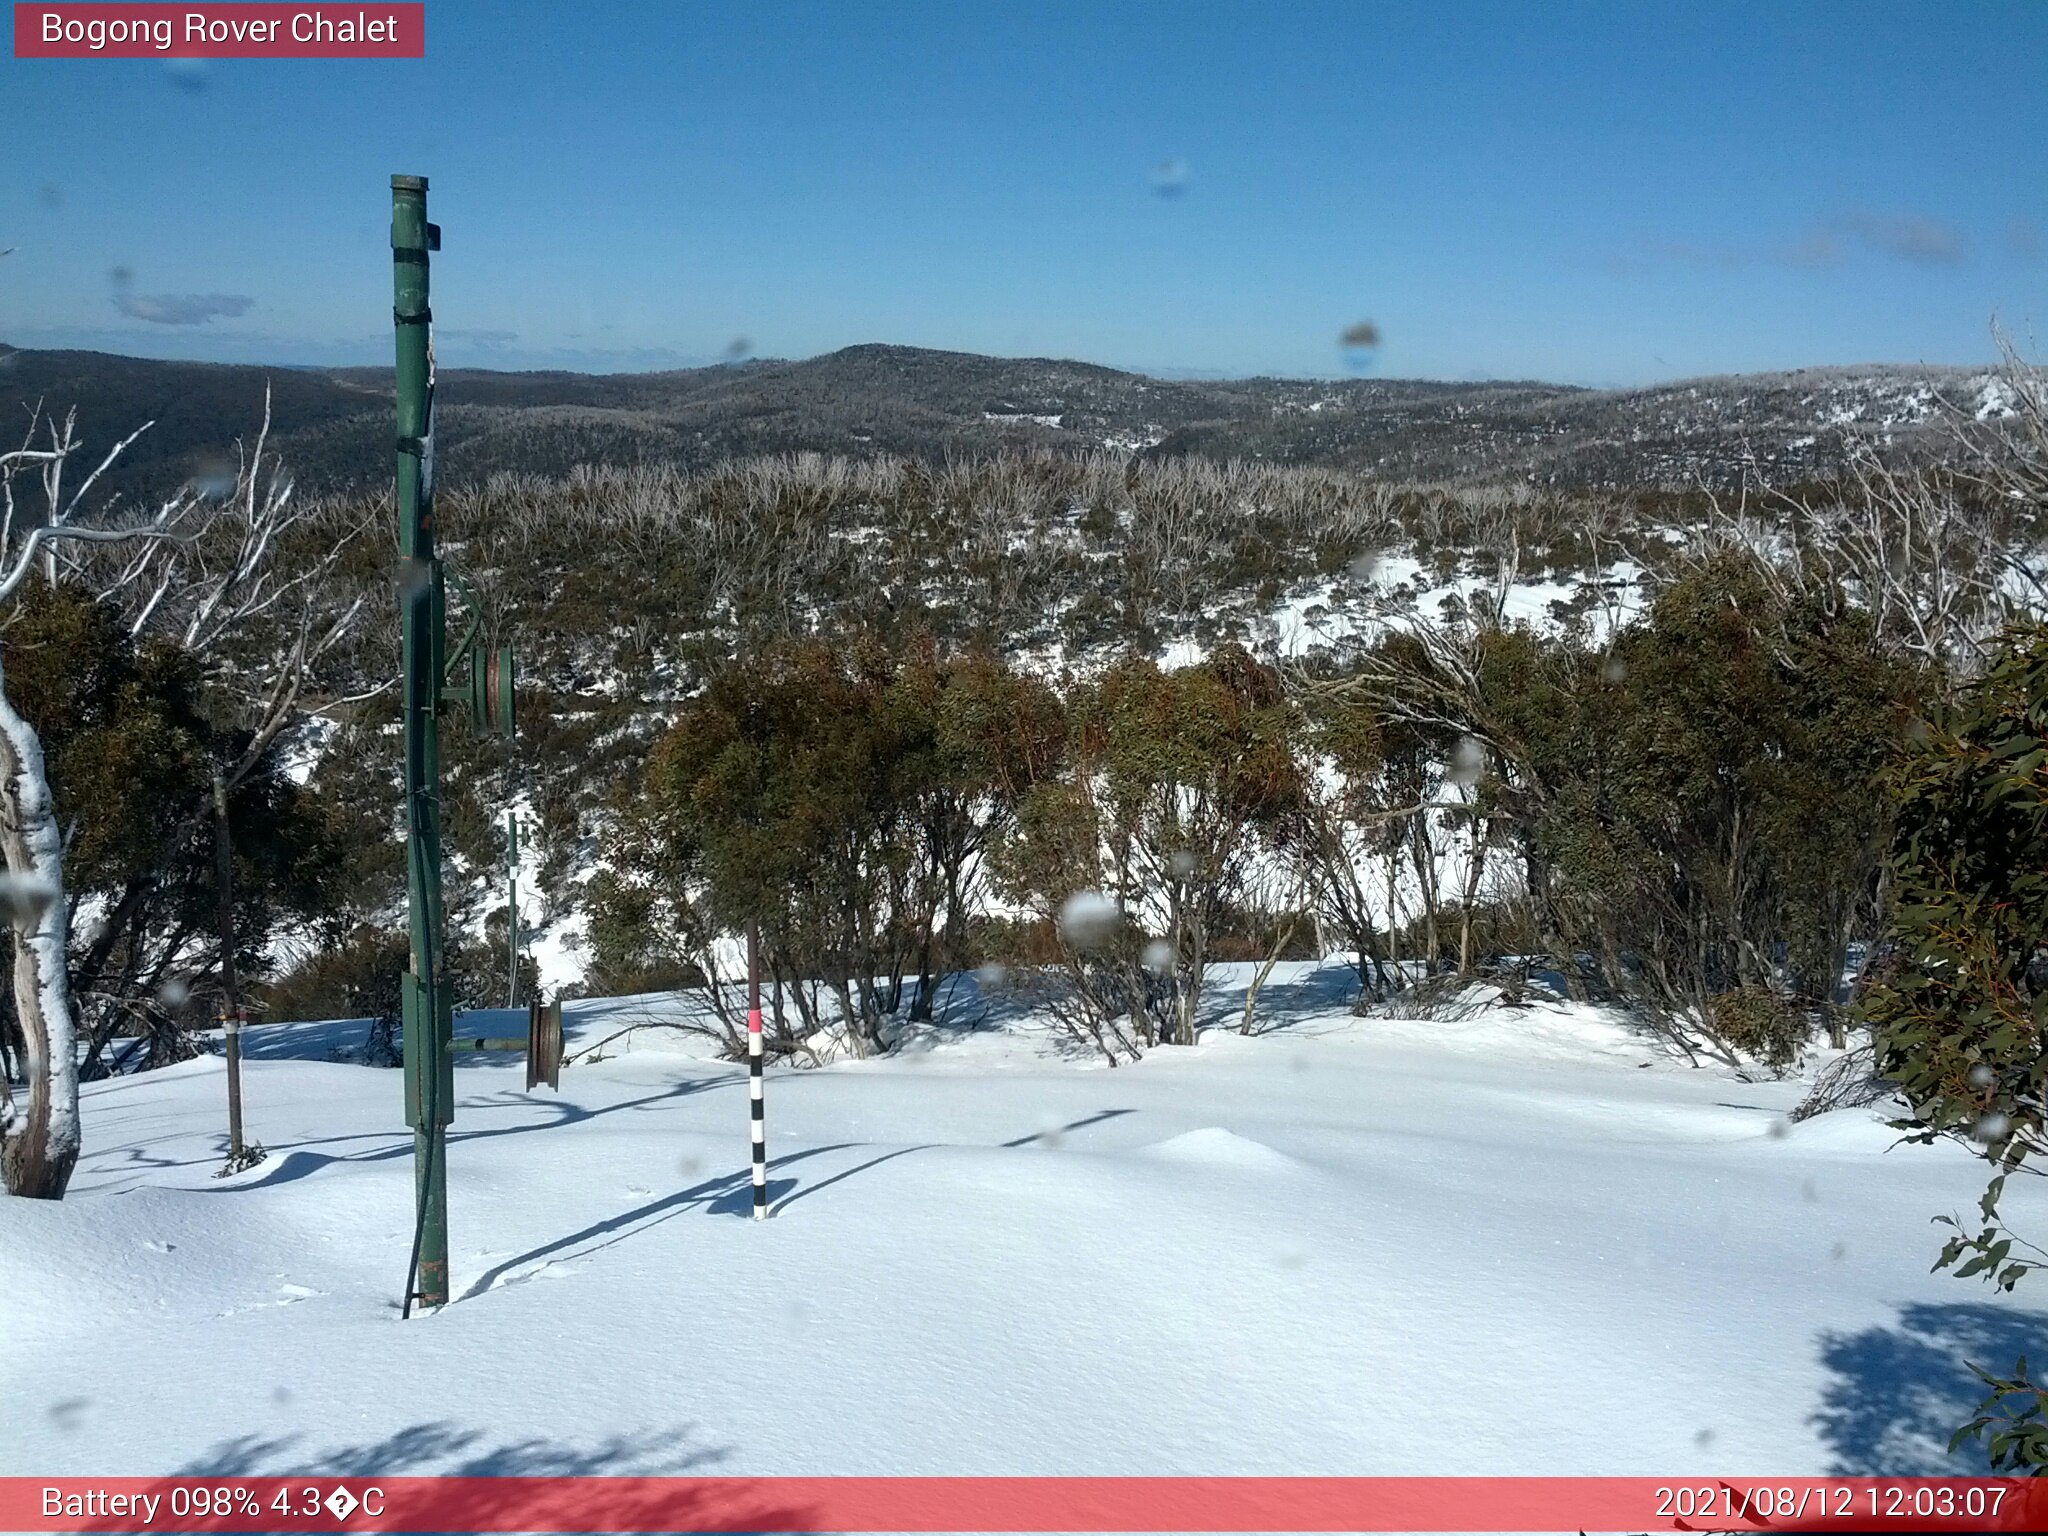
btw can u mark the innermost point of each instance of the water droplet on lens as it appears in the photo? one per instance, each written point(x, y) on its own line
point(213, 477)
point(1089, 920)
point(1170, 177)
point(1360, 346)
point(24, 898)
point(68, 1413)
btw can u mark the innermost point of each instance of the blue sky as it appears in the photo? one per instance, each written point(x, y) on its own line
point(1590, 193)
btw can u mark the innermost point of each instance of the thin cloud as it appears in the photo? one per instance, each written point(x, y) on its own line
point(1827, 242)
point(479, 338)
point(2023, 238)
point(1909, 237)
point(181, 308)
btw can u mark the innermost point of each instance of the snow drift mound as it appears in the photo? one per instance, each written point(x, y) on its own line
point(1214, 1147)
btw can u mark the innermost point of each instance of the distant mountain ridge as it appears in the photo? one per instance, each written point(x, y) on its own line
point(333, 425)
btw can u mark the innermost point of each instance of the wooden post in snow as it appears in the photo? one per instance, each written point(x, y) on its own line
point(232, 1013)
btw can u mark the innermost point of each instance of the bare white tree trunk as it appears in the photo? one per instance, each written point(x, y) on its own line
point(39, 1140)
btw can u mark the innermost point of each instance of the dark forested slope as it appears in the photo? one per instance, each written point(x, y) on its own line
point(332, 425)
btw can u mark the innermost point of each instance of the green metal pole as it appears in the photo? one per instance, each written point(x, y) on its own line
point(422, 609)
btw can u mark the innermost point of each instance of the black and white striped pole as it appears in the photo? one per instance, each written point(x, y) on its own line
point(756, 1106)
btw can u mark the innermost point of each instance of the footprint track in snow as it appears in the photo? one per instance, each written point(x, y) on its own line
point(287, 1295)
point(554, 1269)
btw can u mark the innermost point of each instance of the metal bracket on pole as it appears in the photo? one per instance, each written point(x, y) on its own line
point(544, 1044)
point(417, 1010)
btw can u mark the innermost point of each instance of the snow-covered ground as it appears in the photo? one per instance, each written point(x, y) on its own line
point(1524, 1242)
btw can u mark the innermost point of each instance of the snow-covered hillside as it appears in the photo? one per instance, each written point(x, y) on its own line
point(1521, 1243)
point(331, 425)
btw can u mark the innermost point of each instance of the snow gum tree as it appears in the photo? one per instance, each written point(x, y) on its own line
point(1726, 796)
point(837, 800)
point(1962, 1013)
point(39, 1132)
point(131, 739)
point(202, 575)
point(1178, 781)
point(1691, 801)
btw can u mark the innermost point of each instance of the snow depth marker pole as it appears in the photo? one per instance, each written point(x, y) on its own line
point(512, 902)
point(756, 1107)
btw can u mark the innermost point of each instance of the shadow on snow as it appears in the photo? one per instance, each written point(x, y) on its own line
point(447, 1450)
point(729, 1194)
point(1895, 1394)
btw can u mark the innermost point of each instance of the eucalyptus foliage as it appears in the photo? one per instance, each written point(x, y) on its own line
point(1960, 1018)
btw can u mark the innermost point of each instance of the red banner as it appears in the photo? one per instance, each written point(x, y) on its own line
point(241, 31)
point(650, 1504)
